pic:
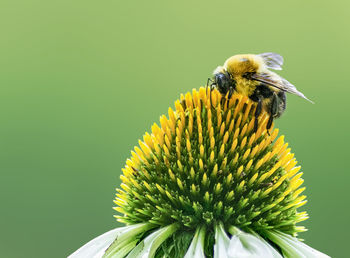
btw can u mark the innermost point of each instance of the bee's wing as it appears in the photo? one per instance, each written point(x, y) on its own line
point(278, 82)
point(272, 60)
point(288, 87)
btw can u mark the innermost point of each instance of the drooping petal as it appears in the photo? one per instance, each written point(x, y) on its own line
point(247, 245)
point(292, 247)
point(97, 247)
point(222, 242)
point(196, 249)
point(272, 250)
point(148, 247)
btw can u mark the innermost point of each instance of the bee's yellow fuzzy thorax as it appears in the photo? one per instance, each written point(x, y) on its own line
point(240, 64)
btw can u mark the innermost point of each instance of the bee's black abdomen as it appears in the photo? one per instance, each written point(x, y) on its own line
point(275, 106)
point(265, 91)
point(261, 91)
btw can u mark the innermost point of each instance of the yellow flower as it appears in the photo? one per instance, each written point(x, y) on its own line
point(204, 183)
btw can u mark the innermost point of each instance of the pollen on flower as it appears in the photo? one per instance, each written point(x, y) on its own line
point(205, 164)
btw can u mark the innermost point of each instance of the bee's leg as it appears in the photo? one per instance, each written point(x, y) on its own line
point(210, 82)
point(281, 103)
point(273, 111)
point(223, 100)
point(229, 96)
point(269, 124)
point(211, 89)
point(210, 85)
point(257, 113)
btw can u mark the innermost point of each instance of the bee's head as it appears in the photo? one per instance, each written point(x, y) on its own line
point(240, 65)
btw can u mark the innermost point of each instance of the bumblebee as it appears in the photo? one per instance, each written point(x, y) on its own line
point(249, 75)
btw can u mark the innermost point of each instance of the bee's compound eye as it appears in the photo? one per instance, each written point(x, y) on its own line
point(223, 81)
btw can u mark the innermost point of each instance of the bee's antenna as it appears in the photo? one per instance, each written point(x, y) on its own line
point(210, 83)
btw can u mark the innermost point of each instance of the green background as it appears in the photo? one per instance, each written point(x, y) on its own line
point(81, 81)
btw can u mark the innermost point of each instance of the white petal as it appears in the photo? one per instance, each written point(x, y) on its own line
point(274, 252)
point(126, 236)
point(196, 249)
point(292, 247)
point(222, 242)
point(148, 247)
point(97, 247)
point(247, 245)
point(237, 250)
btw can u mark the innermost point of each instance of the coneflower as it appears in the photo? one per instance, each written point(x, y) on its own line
point(205, 184)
